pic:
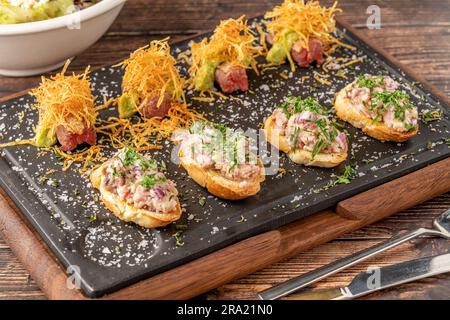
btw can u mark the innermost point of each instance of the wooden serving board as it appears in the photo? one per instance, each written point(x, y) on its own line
point(244, 257)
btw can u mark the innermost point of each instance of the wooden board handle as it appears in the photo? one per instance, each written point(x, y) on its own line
point(242, 258)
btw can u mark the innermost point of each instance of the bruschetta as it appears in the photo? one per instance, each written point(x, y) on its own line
point(67, 113)
point(302, 129)
point(220, 160)
point(132, 186)
point(224, 58)
point(376, 105)
point(151, 82)
point(300, 32)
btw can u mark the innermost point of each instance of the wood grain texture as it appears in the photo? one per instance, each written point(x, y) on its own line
point(415, 32)
point(235, 261)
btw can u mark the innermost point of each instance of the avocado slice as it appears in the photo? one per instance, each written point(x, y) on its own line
point(280, 49)
point(205, 76)
point(128, 104)
point(44, 137)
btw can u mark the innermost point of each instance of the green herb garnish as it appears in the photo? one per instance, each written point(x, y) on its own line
point(129, 157)
point(202, 201)
point(150, 180)
point(53, 182)
point(431, 115)
point(294, 105)
point(370, 82)
point(178, 240)
point(349, 174)
point(327, 134)
point(397, 100)
point(92, 217)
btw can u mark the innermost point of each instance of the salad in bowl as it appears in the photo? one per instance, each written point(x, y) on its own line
point(21, 11)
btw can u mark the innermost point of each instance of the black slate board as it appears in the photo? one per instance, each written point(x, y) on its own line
point(109, 254)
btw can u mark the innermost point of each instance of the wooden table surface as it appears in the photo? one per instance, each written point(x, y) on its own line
point(414, 31)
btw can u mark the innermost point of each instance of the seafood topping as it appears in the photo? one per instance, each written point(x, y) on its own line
point(137, 180)
point(231, 78)
point(70, 141)
point(215, 147)
point(305, 57)
point(306, 125)
point(152, 109)
point(379, 98)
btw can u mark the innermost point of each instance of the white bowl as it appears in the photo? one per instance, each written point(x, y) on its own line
point(36, 47)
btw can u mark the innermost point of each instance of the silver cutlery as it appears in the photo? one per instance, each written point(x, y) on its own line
point(441, 228)
point(388, 276)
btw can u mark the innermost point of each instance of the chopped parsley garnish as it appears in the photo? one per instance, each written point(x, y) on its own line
point(397, 100)
point(220, 143)
point(370, 82)
point(348, 175)
point(146, 163)
point(327, 132)
point(53, 182)
point(150, 180)
point(129, 157)
point(318, 146)
point(294, 105)
point(294, 136)
point(431, 115)
point(327, 135)
point(409, 126)
point(162, 166)
point(202, 201)
point(380, 102)
point(178, 240)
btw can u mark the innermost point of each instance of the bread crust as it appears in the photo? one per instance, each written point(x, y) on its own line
point(377, 130)
point(220, 186)
point(323, 160)
point(128, 213)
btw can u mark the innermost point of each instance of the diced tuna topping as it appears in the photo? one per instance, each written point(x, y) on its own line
point(215, 147)
point(379, 98)
point(70, 141)
point(231, 78)
point(308, 127)
point(151, 108)
point(136, 180)
point(305, 57)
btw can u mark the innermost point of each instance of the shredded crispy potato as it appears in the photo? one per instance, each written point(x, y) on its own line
point(309, 20)
point(232, 42)
point(151, 72)
point(65, 100)
point(144, 134)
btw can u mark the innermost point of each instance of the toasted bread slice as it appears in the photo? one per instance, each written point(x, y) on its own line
point(378, 130)
point(220, 186)
point(128, 213)
point(324, 160)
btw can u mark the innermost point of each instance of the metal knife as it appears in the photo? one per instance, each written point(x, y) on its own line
point(382, 278)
